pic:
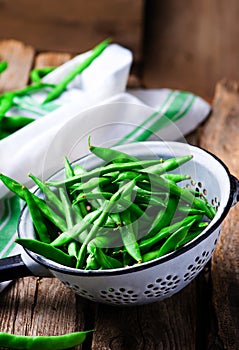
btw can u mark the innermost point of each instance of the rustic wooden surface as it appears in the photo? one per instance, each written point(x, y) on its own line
point(204, 315)
point(220, 135)
point(191, 45)
point(73, 25)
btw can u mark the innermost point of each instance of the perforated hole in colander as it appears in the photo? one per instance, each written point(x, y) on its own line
point(119, 296)
point(199, 187)
point(82, 292)
point(162, 286)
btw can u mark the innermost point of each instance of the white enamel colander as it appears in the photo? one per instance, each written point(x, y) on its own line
point(151, 281)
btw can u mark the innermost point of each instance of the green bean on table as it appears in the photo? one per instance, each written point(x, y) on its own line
point(122, 213)
point(55, 342)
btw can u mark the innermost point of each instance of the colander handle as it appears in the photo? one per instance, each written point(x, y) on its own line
point(235, 190)
point(13, 267)
point(21, 265)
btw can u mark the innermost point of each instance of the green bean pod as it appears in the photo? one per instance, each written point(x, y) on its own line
point(128, 237)
point(55, 342)
point(103, 170)
point(146, 243)
point(3, 66)
point(171, 243)
point(14, 123)
point(51, 196)
point(104, 260)
point(167, 165)
point(36, 216)
point(37, 74)
point(75, 231)
point(110, 155)
point(46, 250)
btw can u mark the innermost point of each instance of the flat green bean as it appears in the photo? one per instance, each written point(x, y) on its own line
point(55, 342)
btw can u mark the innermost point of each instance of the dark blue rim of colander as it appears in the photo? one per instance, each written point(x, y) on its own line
point(147, 265)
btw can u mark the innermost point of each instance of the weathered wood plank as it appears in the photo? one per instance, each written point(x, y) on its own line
point(170, 324)
point(20, 59)
point(190, 45)
point(51, 59)
point(220, 136)
point(73, 25)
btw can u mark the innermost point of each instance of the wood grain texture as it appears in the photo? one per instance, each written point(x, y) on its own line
point(20, 59)
point(73, 25)
point(170, 324)
point(220, 136)
point(190, 45)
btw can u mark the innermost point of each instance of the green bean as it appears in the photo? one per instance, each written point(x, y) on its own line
point(189, 210)
point(31, 88)
point(175, 177)
point(61, 87)
point(111, 155)
point(107, 240)
point(36, 216)
point(171, 243)
point(152, 200)
point(126, 175)
point(128, 237)
point(79, 169)
point(104, 260)
point(3, 66)
point(6, 102)
point(13, 186)
point(164, 216)
point(76, 230)
point(73, 249)
point(38, 73)
point(3, 133)
point(51, 196)
point(167, 165)
point(91, 263)
point(147, 242)
point(122, 203)
point(103, 170)
point(19, 190)
point(192, 234)
point(91, 184)
point(50, 214)
point(107, 207)
point(46, 250)
point(69, 171)
point(55, 342)
point(67, 207)
point(13, 123)
point(80, 210)
point(183, 193)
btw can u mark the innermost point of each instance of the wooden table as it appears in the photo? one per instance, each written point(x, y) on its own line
point(204, 315)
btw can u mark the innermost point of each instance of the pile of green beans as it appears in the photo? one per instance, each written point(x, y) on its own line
point(122, 213)
point(10, 124)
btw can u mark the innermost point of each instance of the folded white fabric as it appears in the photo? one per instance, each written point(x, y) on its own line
point(96, 104)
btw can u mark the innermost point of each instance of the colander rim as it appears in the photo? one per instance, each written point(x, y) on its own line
point(51, 265)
